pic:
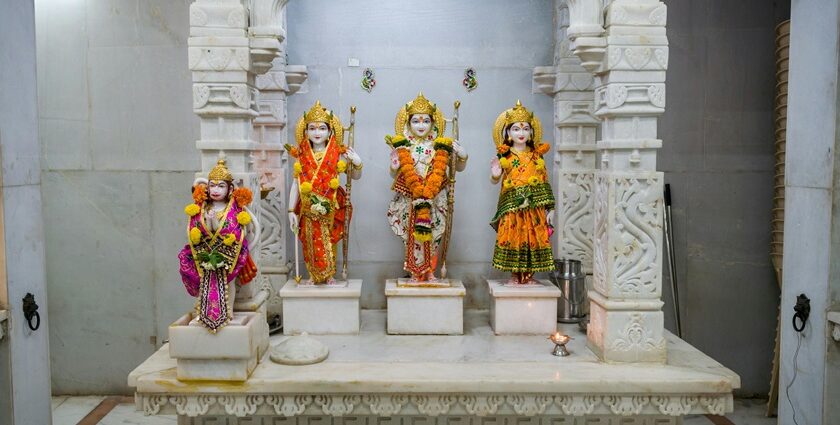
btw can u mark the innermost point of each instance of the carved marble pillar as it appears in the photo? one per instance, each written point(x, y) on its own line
point(225, 56)
point(572, 88)
point(271, 163)
point(629, 60)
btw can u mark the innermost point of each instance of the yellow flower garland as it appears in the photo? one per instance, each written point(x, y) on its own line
point(305, 187)
point(298, 168)
point(229, 239)
point(192, 209)
point(534, 180)
point(243, 218)
point(341, 166)
point(334, 183)
point(195, 235)
point(504, 163)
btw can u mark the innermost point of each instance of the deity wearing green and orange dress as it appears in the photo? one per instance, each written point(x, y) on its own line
point(523, 219)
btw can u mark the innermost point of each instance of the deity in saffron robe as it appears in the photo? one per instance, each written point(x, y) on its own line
point(216, 259)
point(524, 214)
point(318, 210)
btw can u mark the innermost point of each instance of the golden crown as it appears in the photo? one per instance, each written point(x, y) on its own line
point(317, 113)
point(420, 105)
point(518, 114)
point(220, 172)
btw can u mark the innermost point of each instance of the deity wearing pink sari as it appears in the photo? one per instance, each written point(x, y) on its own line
point(219, 230)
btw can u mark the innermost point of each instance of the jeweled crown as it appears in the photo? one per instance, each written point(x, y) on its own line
point(317, 113)
point(220, 172)
point(420, 105)
point(518, 114)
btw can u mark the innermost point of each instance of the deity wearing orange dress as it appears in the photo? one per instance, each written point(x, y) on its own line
point(318, 210)
point(524, 215)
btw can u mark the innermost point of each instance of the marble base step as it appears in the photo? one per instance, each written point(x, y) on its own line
point(425, 311)
point(231, 354)
point(321, 309)
point(525, 310)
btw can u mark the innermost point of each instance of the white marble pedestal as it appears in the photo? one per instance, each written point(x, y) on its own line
point(524, 310)
point(425, 311)
point(322, 309)
point(231, 354)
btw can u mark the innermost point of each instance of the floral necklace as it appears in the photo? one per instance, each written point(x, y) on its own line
point(419, 187)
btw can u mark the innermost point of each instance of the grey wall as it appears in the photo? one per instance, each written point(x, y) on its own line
point(717, 155)
point(118, 135)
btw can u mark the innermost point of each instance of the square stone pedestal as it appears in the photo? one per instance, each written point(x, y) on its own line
point(525, 310)
point(425, 311)
point(321, 309)
point(231, 354)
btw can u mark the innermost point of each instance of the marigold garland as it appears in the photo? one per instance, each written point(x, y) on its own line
point(242, 196)
point(341, 166)
point(540, 164)
point(504, 163)
point(243, 218)
point(195, 235)
point(200, 193)
point(434, 180)
point(534, 180)
point(298, 168)
point(229, 239)
point(334, 183)
point(305, 187)
point(192, 209)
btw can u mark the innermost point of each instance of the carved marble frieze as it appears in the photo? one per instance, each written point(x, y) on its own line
point(480, 405)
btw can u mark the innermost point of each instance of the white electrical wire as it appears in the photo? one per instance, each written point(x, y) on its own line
point(795, 370)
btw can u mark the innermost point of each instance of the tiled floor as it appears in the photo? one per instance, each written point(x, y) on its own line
point(71, 410)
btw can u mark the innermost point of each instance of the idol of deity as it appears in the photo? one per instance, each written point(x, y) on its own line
point(524, 215)
point(216, 258)
point(318, 205)
point(421, 158)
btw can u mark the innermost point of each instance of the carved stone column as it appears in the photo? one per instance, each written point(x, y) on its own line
point(271, 163)
point(629, 61)
point(572, 88)
point(225, 55)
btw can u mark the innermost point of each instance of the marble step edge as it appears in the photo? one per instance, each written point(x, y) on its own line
point(288, 405)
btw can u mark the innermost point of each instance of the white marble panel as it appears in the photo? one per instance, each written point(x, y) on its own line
point(123, 23)
point(806, 270)
point(100, 274)
point(321, 309)
point(25, 273)
point(425, 311)
point(523, 311)
point(62, 47)
point(65, 144)
point(161, 134)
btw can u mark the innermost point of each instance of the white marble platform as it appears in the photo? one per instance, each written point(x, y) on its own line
point(523, 310)
point(321, 309)
point(478, 373)
point(425, 310)
point(230, 354)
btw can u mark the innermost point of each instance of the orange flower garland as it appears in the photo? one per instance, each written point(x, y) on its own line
point(200, 193)
point(243, 196)
point(434, 181)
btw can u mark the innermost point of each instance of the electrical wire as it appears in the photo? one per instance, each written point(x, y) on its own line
point(795, 370)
